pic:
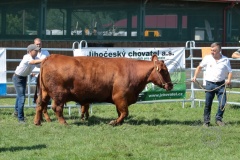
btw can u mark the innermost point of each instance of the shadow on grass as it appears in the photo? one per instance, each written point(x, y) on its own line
point(95, 120)
point(233, 122)
point(234, 106)
point(155, 122)
point(19, 148)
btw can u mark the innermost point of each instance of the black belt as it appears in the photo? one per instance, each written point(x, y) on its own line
point(19, 76)
point(221, 82)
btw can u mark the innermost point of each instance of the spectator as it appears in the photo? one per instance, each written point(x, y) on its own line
point(41, 55)
point(236, 54)
point(217, 69)
point(27, 64)
point(86, 31)
point(94, 32)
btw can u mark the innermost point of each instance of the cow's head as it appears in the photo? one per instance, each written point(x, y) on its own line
point(161, 75)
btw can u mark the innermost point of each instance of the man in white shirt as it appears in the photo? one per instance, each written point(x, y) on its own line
point(41, 55)
point(218, 68)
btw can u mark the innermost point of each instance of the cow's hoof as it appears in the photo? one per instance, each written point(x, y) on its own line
point(37, 124)
point(84, 119)
point(48, 120)
point(113, 123)
point(65, 123)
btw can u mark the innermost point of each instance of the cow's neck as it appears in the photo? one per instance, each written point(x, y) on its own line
point(143, 73)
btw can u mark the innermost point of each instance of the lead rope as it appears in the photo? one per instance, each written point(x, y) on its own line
point(221, 108)
point(163, 84)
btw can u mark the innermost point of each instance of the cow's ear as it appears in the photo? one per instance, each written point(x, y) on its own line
point(154, 57)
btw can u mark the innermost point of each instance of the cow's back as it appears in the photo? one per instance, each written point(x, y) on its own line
point(86, 79)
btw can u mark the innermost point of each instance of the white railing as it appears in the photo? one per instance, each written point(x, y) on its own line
point(190, 46)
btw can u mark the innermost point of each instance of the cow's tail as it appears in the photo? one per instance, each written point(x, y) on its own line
point(40, 90)
point(36, 90)
point(40, 84)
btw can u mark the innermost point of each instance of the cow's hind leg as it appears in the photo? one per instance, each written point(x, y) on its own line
point(84, 112)
point(45, 113)
point(38, 116)
point(58, 109)
point(41, 107)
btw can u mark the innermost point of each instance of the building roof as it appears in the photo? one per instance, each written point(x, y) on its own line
point(152, 21)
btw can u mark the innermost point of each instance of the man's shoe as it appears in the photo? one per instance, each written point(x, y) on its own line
point(22, 122)
point(220, 123)
point(206, 124)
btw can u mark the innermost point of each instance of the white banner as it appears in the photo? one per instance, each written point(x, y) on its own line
point(167, 54)
point(3, 69)
point(174, 58)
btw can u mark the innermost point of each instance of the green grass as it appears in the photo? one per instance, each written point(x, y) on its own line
point(152, 131)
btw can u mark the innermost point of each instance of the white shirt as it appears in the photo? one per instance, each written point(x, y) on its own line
point(216, 71)
point(24, 68)
point(41, 55)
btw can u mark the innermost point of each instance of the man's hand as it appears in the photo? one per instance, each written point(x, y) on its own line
point(194, 79)
point(227, 82)
point(33, 74)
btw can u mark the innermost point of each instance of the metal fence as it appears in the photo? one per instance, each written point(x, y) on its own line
point(190, 46)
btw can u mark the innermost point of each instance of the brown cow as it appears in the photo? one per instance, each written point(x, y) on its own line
point(97, 79)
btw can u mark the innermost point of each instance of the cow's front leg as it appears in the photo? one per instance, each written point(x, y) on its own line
point(122, 113)
point(58, 109)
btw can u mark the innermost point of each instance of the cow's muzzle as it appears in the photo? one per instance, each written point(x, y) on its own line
point(168, 86)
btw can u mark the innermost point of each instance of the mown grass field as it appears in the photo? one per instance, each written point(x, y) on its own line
point(160, 131)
